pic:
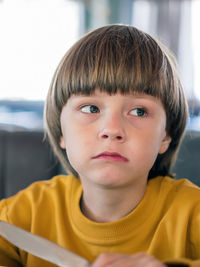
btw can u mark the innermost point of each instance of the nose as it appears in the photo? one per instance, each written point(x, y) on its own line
point(112, 130)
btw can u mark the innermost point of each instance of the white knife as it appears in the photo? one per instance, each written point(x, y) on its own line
point(41, 247)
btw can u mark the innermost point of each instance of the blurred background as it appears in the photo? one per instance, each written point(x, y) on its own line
point(35, 34)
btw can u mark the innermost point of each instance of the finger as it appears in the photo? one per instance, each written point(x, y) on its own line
point(146, 260)
point(106, 259)
point(117, 260)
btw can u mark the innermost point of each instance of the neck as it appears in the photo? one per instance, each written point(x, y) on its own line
point(101, 204)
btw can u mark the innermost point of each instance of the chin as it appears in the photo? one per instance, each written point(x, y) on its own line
point(109, 179)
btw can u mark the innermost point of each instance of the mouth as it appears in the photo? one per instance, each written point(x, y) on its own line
point(111, 156)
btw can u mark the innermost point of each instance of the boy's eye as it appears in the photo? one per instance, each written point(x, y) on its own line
point(90, 109)
point(139, 112)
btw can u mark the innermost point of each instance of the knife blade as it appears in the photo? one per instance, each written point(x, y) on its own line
point(41, 247)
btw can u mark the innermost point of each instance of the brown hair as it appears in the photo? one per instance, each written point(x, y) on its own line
point(119, 58)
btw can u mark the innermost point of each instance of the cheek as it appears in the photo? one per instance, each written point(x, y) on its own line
point(148, 156)
point(153, 142)
point(78, 143)
point(73, 154)
point(78, 153)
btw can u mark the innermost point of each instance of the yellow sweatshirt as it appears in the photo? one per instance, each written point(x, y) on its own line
point(166, 223)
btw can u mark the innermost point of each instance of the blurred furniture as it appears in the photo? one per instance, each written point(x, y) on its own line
point(25, 157)
point(188, 161)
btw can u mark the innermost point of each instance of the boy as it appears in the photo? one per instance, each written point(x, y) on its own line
point(115, 115)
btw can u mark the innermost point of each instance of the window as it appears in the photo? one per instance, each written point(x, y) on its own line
point(176, 24)
point(35, 34)
point(196, 45)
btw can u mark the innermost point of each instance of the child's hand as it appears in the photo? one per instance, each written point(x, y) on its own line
point(122, 260)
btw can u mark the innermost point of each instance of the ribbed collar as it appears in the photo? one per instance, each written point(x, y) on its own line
point(112, 232)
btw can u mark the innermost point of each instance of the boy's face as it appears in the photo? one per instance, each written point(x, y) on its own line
point(113, 140)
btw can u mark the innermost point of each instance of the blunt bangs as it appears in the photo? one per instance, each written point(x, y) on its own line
point(122, 62)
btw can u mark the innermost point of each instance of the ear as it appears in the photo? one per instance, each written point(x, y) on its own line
point(165, 144)
point(62, 143)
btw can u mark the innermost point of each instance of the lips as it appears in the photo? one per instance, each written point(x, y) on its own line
point(111, 156)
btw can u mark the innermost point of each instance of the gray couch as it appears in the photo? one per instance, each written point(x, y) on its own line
point(188, 161)
point(25, 157)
